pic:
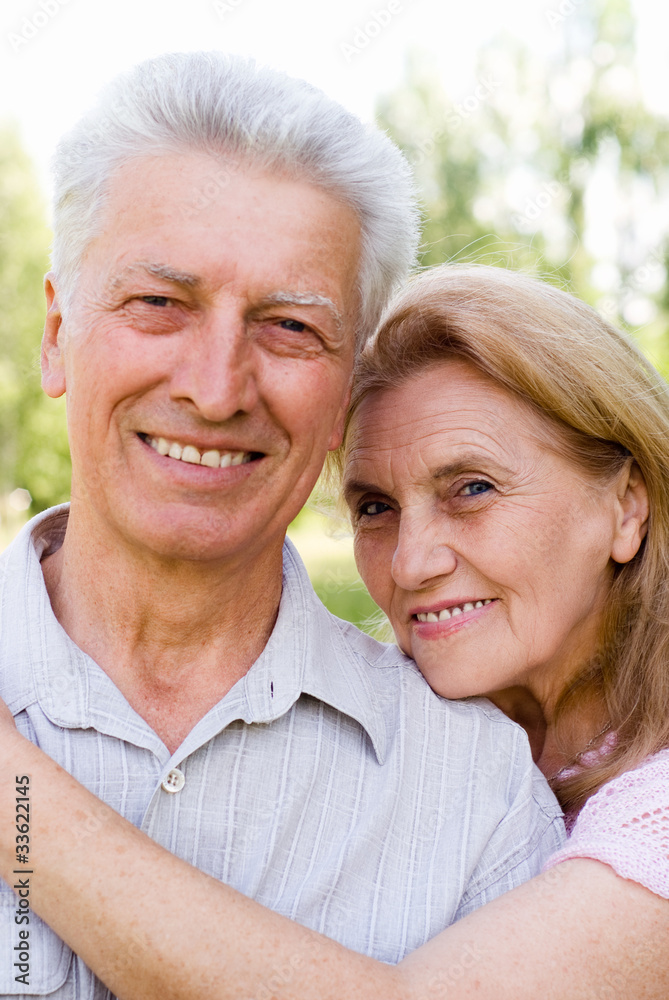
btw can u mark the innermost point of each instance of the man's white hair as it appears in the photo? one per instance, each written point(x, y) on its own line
point(231, 109)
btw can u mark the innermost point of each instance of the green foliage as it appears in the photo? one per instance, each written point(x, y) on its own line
point(514, 173)
point(510, 173)
point(33, 443)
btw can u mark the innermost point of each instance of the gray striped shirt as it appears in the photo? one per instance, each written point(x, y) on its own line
point(330, 783)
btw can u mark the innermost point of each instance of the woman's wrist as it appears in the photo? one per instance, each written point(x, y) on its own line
point(15, 773)
point(12, 745)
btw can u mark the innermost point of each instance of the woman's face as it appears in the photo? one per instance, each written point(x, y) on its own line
point(488, 549)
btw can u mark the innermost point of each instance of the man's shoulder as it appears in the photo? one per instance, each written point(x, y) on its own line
point(41, 533)
point(468, 741)
point(24, 604)
point(21, 582)
point(395, 675)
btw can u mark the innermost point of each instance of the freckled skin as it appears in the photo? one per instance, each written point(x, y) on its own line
point(510, 518)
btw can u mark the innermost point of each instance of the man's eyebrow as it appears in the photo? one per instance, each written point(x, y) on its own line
point(304, 299)
point(163, 271)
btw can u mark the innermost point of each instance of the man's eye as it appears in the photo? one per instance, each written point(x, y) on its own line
point(476, 488)
point(372, 508)
point(293, 324)
point(155, 300)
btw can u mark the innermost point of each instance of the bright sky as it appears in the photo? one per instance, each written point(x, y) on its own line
point(55, 54)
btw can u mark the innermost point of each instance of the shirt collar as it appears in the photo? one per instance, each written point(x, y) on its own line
point(308, 653)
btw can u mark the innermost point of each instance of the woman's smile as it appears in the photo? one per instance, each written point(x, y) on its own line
point(441, 621)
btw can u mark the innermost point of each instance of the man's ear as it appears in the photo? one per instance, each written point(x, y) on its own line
point(632, 511)
point(52, 355)
point(338, 429)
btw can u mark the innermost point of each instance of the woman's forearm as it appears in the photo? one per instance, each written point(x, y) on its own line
point(154, 928)
point(150, 925)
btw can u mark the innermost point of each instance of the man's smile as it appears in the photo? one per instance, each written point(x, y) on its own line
point(213, 458)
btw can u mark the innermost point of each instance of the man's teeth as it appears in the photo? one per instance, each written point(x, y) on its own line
point(458, 609)
point(187, 453)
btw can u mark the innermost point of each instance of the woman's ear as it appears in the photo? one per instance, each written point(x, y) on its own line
point(52, 356)
point(632, 513)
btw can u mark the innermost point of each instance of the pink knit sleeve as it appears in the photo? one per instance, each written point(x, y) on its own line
point(626, 825)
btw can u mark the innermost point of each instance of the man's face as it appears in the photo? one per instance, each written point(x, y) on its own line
point(206, 355)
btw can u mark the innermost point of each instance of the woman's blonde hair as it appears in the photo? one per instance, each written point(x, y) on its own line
point(608, 402)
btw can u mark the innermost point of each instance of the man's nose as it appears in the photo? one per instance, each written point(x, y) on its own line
point(422, 555)
point(217, 369)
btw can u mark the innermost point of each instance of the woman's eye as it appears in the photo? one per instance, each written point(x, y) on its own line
point(372, 508)
point(476, 488)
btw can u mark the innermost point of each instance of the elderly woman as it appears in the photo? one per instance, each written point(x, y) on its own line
point(504, 448)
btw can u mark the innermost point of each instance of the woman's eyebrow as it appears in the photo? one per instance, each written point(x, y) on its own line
point(354, 487)
point(469, 462)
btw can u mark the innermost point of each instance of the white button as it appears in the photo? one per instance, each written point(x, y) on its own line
point(174, 781)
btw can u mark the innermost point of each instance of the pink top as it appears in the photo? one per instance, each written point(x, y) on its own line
point(626, 825)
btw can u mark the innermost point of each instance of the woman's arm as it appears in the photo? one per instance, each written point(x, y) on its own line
point(151, 926)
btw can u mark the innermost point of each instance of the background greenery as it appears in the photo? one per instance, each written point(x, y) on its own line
point(553, 166)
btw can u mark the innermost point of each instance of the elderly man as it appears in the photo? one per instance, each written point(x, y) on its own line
point(224, 237)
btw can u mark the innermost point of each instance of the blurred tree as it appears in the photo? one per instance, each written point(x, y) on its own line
point(33, 445)
point(551, 165)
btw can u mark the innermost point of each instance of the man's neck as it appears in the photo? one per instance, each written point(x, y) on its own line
point(173, 636)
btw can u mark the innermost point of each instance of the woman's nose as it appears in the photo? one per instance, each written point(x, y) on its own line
point(422, 554)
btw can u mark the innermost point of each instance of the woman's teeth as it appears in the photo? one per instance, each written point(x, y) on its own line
point(187, 453)
point(458, 609)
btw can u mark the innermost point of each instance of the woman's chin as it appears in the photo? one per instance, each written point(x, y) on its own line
point(452, 687)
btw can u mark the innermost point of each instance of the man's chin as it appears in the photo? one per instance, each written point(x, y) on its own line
point(173, 533)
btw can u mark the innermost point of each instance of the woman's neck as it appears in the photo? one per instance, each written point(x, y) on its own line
point(555, 739)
